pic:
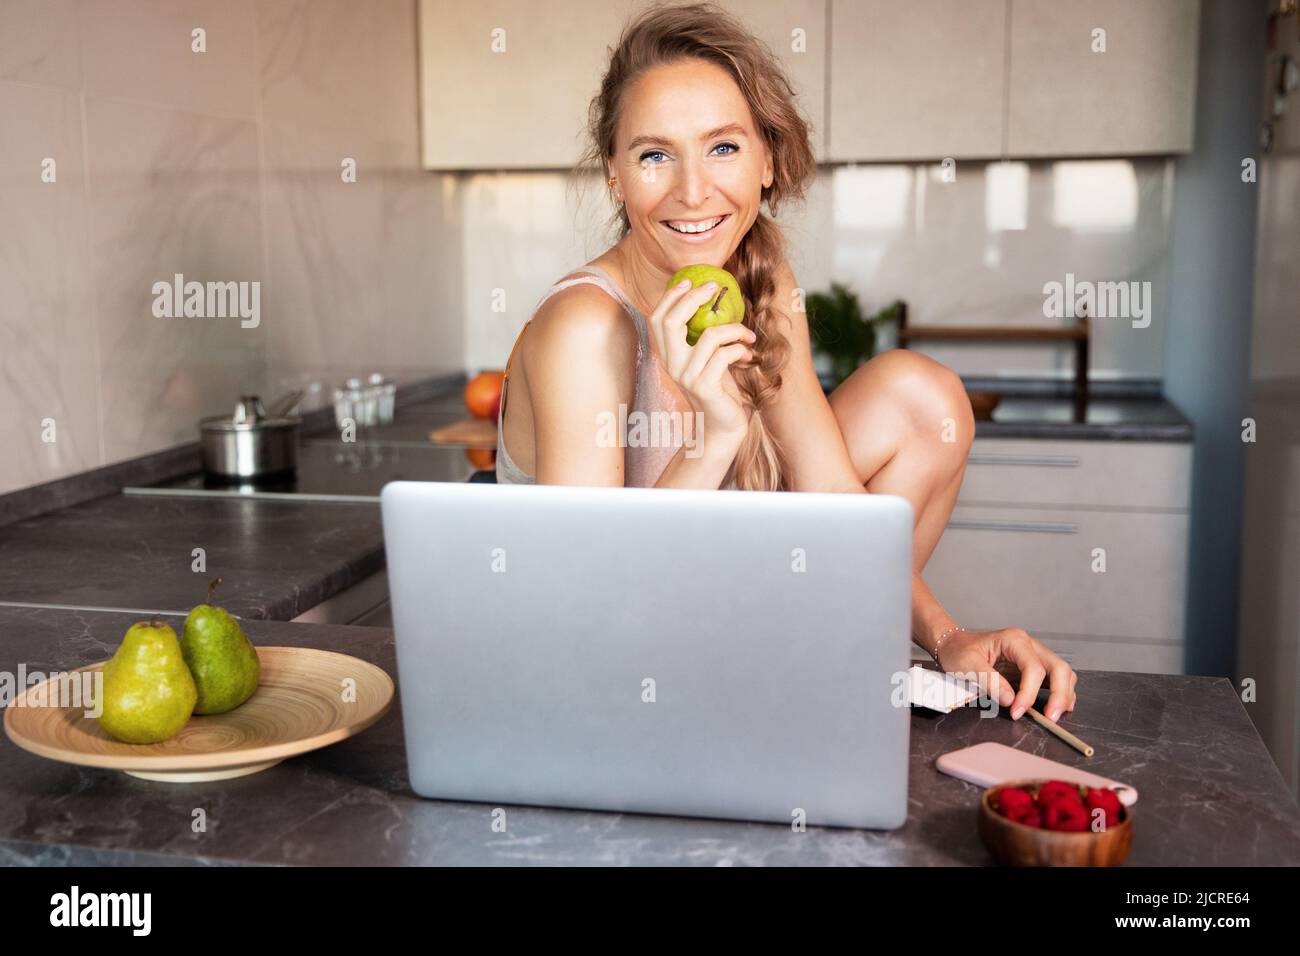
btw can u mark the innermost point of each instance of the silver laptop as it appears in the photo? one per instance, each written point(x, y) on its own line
point(702, 653)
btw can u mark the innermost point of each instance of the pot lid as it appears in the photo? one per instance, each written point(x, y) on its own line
point(249, 415)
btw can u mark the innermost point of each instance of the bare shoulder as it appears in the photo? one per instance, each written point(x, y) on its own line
point(580, 326)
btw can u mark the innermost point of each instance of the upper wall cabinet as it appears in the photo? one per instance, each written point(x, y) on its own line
point(917, 80)
point(1015, 78)
point(795, 30)
point(505, 84)
point(1102, 77)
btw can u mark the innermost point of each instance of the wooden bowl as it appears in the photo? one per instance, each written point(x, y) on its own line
point(306, 699)
point(1018, 845)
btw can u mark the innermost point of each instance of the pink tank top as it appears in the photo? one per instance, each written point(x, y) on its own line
point(643, 461)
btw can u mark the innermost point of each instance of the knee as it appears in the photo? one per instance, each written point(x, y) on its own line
point(905, 402)
point(933, 399)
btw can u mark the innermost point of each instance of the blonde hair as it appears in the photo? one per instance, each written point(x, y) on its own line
point(704, 31)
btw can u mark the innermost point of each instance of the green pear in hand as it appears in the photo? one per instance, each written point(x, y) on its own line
point(221, 658)
point(726, 307)
point(148, 691)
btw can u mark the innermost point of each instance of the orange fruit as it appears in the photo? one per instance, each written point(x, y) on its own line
point(483, 394)
point(482, 457)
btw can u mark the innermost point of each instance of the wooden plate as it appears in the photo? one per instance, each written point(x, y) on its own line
point(473, 432)
point(306, 699)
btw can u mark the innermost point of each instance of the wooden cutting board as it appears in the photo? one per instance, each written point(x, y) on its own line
point(474, 432)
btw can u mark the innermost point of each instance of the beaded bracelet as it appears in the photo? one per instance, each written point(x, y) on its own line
point(946, 632)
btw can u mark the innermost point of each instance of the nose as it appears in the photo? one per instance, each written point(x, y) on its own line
point(694, 186)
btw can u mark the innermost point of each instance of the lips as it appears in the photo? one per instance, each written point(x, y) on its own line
point(717, 221)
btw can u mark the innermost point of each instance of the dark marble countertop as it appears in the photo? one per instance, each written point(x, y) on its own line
point(1119, 410)
point(276, 558)
point(329, 469)
point(1209, 793)
point(1134, 418)
point(80, 542)
point(1115, 411)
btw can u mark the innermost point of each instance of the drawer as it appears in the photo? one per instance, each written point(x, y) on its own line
point(1109, 474)
point(1092, 653)
point(350, 604)
point(1032, 568)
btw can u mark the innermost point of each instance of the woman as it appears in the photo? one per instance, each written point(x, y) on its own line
point(695, 126)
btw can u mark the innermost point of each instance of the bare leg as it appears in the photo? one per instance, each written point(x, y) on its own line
point(908, 426)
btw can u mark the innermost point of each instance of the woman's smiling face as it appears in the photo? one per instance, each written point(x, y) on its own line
point(690, 165)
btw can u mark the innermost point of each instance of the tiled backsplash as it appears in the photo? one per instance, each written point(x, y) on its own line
point(224, 166)
point(974, 248)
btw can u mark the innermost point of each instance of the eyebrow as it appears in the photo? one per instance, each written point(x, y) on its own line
point(735, 128)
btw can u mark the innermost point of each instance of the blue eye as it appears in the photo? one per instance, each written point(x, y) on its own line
point(652, 152)
point(734, 147)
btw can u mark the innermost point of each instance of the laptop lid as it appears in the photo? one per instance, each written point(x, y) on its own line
point(705, 653)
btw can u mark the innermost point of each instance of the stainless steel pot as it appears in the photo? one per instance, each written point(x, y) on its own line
point(252, 443)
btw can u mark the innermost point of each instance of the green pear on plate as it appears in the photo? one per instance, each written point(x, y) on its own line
point(726, 307)
point(222, 659)
point(148, 692)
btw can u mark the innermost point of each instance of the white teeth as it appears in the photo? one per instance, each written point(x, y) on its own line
point(695, 226)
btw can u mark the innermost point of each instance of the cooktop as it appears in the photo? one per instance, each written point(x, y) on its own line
point(330, 469)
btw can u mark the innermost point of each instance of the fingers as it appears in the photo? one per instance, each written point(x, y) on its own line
point(720, 362)
point(1037, 663)
point(670, 298)
point(710, 342)
point(1062, 688)
point(992, 685)
point(1020, 650)
point(733, 392)
point(677, 310)
point(973, 654)
point(999, 689)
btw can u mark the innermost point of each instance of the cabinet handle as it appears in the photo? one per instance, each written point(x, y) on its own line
point(1050, 527)
point(1057, 461)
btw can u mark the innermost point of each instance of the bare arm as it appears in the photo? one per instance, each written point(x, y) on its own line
point(580, 362)
point(802, 420)
point(706, 471)
point(581, 365)
point(800, 416)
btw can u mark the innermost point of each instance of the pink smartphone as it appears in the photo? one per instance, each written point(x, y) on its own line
point(989, 764)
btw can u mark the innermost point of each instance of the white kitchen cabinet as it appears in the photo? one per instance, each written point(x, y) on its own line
point(1032, 521)
point(1136, 97)
point(1107, 654)
point(1097, 653)
point(1016, 78)
point(916, 80)
point(1150, 476)
point(1036, 569)
point(506, 84)
point(795, 30)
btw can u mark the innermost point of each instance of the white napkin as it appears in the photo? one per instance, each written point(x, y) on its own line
point(937, 691)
